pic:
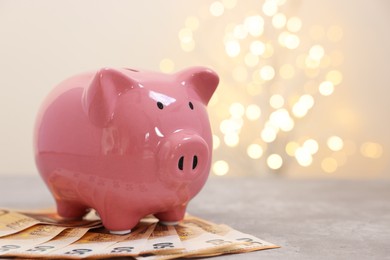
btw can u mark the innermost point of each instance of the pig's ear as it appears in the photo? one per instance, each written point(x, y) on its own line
point(100, 97)
point(202, 80)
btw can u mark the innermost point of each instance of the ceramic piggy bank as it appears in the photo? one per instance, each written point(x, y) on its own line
point(126, 143)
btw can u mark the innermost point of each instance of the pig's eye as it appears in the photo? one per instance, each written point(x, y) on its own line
point(160, 105)
point(191, 105)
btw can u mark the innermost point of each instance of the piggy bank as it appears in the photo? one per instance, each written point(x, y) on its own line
point(127, 143)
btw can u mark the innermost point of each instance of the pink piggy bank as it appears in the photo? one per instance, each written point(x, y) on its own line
point(126, 143)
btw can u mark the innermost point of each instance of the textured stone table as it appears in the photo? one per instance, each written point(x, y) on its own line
point(309, 219)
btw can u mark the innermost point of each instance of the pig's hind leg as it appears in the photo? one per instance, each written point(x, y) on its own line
point(172, 216)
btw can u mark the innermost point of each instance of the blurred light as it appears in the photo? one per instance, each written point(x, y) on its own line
point(268, 134)
point(237, 110)
point(240, 74)
point(288, 40)
point(257, 47)
point(276, 101)
point(312, 63)
point(240, 32)
point(267, 72)
point(254, 151)
point(187, 46)
point(221, 168)
point(192, 22)
point(216, 8)
point(185, 35)
point(291, 147)
point(229, 4)
point(231, 139)
point(329, 164)
point(282, 119)
point(326, 88)
point(281, 2)
point(334, 76)
point(254, 25)
point(303, 156)
point(167, 65)
point(274, 161)
point(307, 100)
point(287, 71)
point(311, 145)
point(270, 8)
point(316, 52)
point(232, 125)
point(253, 112)
point(226, 126)
point(251, 60)
point(232, 48)
point(294, 24)
point(335, 143)
point(371, 150)
point(279, 21)
point(216, 142)
point(299, 110)
point(335, 33)
point(303, 105)
point(269, 50)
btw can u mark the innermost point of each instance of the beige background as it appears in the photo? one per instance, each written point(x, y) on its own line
point(44, 41)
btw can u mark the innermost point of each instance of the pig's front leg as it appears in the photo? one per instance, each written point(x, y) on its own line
point(71, 210)
point(172, 216)
point(119, 222)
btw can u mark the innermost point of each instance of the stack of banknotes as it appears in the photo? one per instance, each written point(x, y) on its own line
point(43, 234)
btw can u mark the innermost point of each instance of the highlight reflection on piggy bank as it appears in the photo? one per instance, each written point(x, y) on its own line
point(126, 143)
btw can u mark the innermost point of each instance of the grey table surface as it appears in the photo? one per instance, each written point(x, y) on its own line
point(309, 219)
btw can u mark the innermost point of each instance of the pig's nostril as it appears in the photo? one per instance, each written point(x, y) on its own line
point(194, 162)
point(181, 162)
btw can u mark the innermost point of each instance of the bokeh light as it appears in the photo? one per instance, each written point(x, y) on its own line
point(274, 70)
point(254, 25)
point(217, 8)
point(254, 151)
point(220, 168)
point(216, 142)
point(311, 145)
point(294, 24)
point(167, 66)
point(335, 143)
point(326, 88)
point(276, 101)
point(253, 112)
point(232, 48)
point(329, 165)
point(229, 4)
point(274, 161)
point(192, 22)
point(291, 147)
point(267, 72)
point(371, 150)
point(303, 156)
point(279, 20)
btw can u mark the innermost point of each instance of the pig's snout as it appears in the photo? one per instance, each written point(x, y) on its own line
point(183, 156)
